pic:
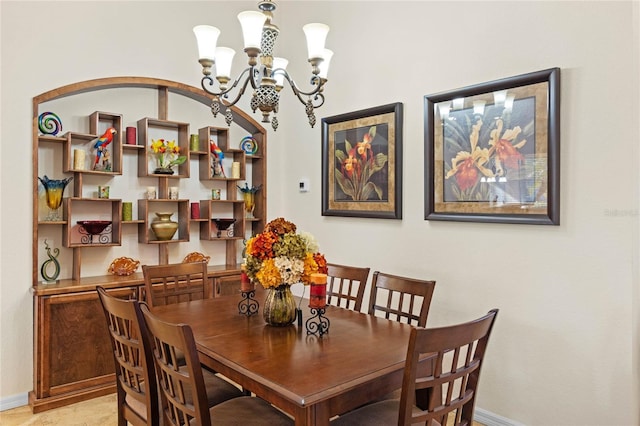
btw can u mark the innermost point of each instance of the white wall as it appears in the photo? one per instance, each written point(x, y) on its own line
point(562, 348)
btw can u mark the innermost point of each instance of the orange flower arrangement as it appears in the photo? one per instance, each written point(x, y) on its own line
point(280, 256)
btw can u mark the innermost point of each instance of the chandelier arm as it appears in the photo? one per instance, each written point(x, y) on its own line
point(241, 91)
point(251, 71)
point(315, 81)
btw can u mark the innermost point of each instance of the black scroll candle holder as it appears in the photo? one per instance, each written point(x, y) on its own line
point(248, 305)
point(318, 324)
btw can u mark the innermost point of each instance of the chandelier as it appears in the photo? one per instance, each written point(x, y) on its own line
point(267, 75)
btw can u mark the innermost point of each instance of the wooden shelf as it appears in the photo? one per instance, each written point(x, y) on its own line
point(68, 320)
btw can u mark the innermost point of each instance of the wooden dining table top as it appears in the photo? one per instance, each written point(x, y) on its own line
point(312, 378)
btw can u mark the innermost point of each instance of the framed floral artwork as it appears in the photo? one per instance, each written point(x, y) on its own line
point(362, 163)
point(492, 151)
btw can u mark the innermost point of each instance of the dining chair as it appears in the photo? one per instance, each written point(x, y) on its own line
point(448, 389)
point(138, 399)
point(400, 298)
point(177, 383)
point(137, 393)
point(177, 282)
point(346, 285)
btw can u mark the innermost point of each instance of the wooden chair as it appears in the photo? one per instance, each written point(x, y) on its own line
point(342, 282)
point(449, 388)
point(135, 373)
point(177, 383)
point(174, 283)
point(401, 299)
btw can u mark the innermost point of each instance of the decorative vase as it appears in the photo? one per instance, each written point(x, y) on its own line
point(279, 307)
point(54, 189)
point(163, 171)
point(163, 226)
point(249, 203)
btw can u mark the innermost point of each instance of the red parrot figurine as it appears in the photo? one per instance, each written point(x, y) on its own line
point(216, 162)
point(101, 143)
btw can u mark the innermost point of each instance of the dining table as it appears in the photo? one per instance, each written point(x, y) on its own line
point(310, 377)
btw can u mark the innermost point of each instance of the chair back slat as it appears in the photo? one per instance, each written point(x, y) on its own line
point(135, 375)
point(175, 283)
point(401, 299)
point(182, 389)
point(449, 388)
point(346, 285)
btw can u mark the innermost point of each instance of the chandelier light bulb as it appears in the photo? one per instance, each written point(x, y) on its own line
point(324, 65)
point(316, 36)
point(279, 76)
point(207, 38)
point(252, 23)
point(224, 59)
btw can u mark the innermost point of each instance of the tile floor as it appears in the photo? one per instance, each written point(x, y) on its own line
point(95, 412)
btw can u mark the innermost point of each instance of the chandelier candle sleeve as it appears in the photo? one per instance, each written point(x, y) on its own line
point(318, 297)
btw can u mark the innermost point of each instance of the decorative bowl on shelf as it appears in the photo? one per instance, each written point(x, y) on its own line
point(196, 257)
point(94, 227)
point(123, 266)
point(224, 226)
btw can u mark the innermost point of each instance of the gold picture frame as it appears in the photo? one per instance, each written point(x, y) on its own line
point(362, 163)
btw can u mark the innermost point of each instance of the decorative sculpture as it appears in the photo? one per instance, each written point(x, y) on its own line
point(50, 278)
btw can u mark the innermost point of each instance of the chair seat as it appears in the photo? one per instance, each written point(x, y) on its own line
point(218, 389)
point(383, 413)
point(247, 411)
point(138, 407)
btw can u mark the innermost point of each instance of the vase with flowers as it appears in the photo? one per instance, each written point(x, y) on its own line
point(277, 258)
point(167, 156)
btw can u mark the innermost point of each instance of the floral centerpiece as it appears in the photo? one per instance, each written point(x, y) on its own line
point(167, 155)
point(277, 258)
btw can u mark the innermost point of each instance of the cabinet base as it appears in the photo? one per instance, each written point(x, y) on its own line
point(39, 405)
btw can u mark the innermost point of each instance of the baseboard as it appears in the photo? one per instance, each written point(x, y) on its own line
point(14, 401)
point(488, 418)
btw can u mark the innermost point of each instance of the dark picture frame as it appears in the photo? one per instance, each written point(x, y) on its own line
point(492, 151)
point(362, 163)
